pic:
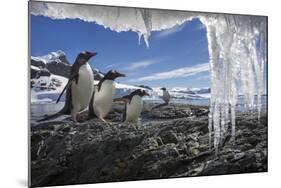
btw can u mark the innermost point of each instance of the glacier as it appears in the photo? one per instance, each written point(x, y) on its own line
point(237, 47)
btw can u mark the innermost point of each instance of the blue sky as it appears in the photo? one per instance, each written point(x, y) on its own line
point(177, 57)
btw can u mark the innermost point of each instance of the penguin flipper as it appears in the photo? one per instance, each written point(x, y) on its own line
point(124, 99)
point(124, 113)
point(66, 86)
point(91, 113)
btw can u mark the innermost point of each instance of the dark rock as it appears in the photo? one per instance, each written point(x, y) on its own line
point(174, 146)
point(219, 168)
point(58, 68)
point(169, 137)
point(37, 63)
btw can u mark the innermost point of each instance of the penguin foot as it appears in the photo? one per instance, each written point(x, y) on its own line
point(80, 117)
point(74, 117)
point(106, 122)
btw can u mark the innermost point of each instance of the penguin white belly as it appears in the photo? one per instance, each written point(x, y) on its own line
point(82, 91)
point(134, 109)
point(103, 98)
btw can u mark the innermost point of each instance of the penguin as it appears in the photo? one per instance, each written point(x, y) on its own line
point(166, 95)
point(102, 98)
point(133, 105)
point(79, 88)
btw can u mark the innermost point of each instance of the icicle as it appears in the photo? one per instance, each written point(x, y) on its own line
point(139, 35)
point(146, 15)
point(146, 38)
point(210, 126)
point(233, 124)
point(235, 67)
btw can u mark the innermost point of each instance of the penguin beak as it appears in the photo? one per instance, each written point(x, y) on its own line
point(121, 75)
point(145, 93)
point(93, 54)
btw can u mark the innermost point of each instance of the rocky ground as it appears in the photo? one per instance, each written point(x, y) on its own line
point(170, 142)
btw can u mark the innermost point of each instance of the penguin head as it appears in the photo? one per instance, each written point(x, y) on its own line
point(113, 74)
point(163, 88)
point(141, 92)
point(83, 57)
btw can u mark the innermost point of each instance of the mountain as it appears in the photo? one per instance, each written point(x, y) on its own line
point(56, 63)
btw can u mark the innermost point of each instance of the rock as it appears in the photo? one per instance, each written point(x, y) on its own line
point(172, 146)
point(159, 141)
point(169, 137)
point(220, 168)
point(238, 156)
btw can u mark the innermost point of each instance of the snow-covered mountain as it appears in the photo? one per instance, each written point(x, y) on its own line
point(56, 63)
point(58, 56)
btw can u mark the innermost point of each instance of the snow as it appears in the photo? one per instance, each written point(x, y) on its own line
point(46, 95)
point(53, 56)
point(236, 44)
point(34, 68)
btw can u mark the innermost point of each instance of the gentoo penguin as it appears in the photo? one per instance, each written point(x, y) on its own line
point(102, 98)
point(166, 95)
point(133, 105)
point(79, 88)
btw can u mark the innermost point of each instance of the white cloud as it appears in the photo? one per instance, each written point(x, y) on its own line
point(167, 32)
point(111, 66)
point(176, 73)
point(140, 64)
point(205, 77)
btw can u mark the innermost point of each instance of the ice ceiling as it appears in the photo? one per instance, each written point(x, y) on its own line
point(236, 43)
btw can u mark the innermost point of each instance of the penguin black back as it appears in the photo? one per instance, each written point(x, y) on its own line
point(139, 92)
point(110, 75)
